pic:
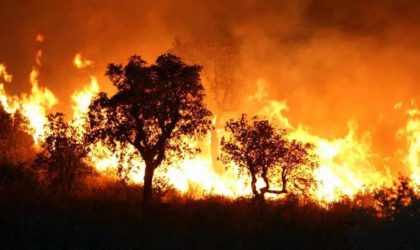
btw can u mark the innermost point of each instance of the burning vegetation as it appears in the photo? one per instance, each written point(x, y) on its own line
point(158, 117)
point(201, 134)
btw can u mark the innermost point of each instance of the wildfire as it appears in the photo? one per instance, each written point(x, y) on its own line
point(346, 164)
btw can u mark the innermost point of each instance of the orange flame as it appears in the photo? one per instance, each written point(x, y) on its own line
point(411, 132)
point(34, 106)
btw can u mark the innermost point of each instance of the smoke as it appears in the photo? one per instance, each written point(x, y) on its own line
point(331, 61)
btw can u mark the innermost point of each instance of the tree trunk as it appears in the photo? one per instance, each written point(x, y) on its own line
point(147, 188)
point(254, 186)
point(267, 185)
point(284, 183)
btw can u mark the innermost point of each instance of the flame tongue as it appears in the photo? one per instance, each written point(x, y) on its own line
point(33, 106)
point(412, 135)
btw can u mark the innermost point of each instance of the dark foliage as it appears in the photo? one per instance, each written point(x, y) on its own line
point(61, 158)
point(108, 222)
point(14, 176)
point(156, 106)
point(397, 226)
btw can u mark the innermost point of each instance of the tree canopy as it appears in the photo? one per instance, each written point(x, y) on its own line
point(155, 107)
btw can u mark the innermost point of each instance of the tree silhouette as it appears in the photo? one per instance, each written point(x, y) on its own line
point(62, 154)
point(254, 147)
point(155, 107)
point(258, 148)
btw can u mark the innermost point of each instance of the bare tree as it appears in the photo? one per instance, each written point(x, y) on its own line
point(155, 107)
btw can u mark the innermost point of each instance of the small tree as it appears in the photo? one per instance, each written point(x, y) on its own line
point(254, 147)
point(62, 154)
point(258, 148)
point(154, 108)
